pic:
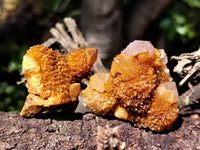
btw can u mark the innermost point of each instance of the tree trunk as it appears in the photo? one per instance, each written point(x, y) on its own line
point(101, 23)
point(141, 15)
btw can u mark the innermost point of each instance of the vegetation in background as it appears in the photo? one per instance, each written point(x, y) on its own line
point(13, 46)
point(12, 95)
point(180, 22)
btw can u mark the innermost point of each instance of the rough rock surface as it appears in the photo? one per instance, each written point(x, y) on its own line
point(78, 131)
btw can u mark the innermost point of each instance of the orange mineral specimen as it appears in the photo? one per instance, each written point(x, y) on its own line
point(98, 96)
point(52, 79)
point(142, 86)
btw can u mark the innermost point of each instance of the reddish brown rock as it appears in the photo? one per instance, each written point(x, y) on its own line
point(78, 131)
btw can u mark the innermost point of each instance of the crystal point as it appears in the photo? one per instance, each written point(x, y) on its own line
point(137, 47)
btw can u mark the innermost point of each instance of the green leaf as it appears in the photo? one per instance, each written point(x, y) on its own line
point(179, 18)
point(187, 100)
point(181, 30)
point(75, 12)
point(165, 23)
point(193, 3)
point(191, 34)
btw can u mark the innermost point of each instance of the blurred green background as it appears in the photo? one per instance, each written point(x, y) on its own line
point(24, 23)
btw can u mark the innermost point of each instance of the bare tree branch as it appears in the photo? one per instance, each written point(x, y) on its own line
point(188, 65)
point(190, 97)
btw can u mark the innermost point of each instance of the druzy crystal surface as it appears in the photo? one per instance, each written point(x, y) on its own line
point(141, 85)
point(53, 79)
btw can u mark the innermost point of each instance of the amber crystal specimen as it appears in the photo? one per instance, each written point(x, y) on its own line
point(53, 79)
point(98, 96)
point(142, 86)
point(164, 108)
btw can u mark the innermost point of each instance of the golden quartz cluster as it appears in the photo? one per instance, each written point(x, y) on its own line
point(53, 79)
point(138, 87)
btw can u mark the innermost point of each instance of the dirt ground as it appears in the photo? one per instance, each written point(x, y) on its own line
point(78, 131)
